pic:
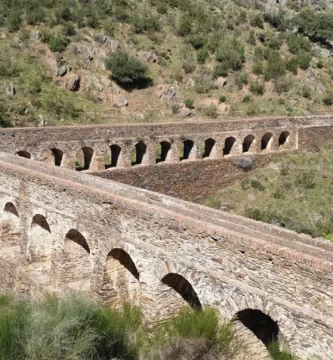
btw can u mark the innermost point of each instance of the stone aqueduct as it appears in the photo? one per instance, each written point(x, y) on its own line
point(63, 229)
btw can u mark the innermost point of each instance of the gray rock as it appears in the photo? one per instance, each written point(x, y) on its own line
point(96, 84)
point(312, 77)
point(220, 82)
point(41, 122)
point(10, 90)
point(323, 51)
point(114, 44)
point(34, 35)
point(73, 82)
point(306, 113)
point(85, 51)
point(151, 57)
point(62, 71)
point(100, 38)
point(184, 112)
point(169, 93)
point(244, 162)
point(120, 101)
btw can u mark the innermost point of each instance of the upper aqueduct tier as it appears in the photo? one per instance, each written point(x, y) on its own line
point(122, 146)
point(64, 229)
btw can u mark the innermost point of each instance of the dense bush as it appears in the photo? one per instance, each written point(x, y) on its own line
point(275, 66)
point(231, 53)
point(55, 42)
point(126, 69)
point(202, 55)
point(258, 68)
point(145, 23)
point(257, 21)
point(257, 88)
point(298, 44)
point(242, 79)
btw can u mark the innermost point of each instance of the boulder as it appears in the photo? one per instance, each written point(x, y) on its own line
point(41, 122)
point(312, 80)
point(62, 71)
point(184, 112)
point(245, 163)
point(169, 93)
point(34, 35)
point(72, 82)
point(10, 90)
point(101, 39)
point(113, 44)
point(85, 51)
point(220, 82)
point(120, 101)
point(151, 57)
point(96, 84)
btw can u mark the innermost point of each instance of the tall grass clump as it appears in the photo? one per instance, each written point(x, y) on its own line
point(277, 354)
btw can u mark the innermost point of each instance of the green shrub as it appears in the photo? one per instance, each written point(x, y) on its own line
point(259, 53)
point(145, 23)
point(298, 44)
point(202, 55)
point(8, 68)
point(258, 68)
point(210, 111)
point(306, 92)
point(35, 16)
point(257, 21)
point(292, 65)
point(282, 84)
point(189, 103)
point(56, 43)
point(231, 53)
point(185, 26)
point(277, 354)
point(197, 42)
point(304, 61)
point(255, 184)
point(328, 98)
point(246, 99)
point(257, 88)
point(126, 69)
point(241, 80)
point(320, 64)
point(275, 66)
point(220, 70)
point(14, 21)
point(222, 99)
point(306, 179)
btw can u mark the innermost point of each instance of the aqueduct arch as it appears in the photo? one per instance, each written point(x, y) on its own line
point(83, 158)
point(40, 241)
point(248, 143)
point(23, 153)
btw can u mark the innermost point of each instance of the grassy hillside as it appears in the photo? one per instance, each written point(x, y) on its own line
point(211, 58)
point(294, 191)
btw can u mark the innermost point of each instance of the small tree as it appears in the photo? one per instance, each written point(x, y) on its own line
point(126, 69)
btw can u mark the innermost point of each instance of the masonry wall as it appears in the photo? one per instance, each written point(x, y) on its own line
point(231, 266)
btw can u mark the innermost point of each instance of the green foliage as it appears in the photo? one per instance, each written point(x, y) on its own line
point(8, 68)
point(282, 84)
point(231, 53)
point(189, 103)
point(258, 68)
point(277, 354)
point(56, 43)
point(328, 98)
point(222, 99)
point(275, 66)
point(255, 184)
point(242, 79)
point(298, 44)
point(317, 25)
point(145, 23)
point(185, 26)
point(197, 42)
point(257, 21)
point(4, 117)
point(210, 111)
point(292, 65)
point(257, 88)
point(246, 99)
point(220, 70)
point(304, 61)
point(14, 21)
point(202, 55)
point(126, 69)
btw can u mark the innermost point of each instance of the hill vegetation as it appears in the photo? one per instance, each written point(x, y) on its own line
point(86, 61)
point(293, 191)
point(78, 328)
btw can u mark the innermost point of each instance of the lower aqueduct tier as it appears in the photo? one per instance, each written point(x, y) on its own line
point(62, 228)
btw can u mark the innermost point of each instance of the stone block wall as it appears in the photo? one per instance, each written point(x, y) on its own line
point(157, 250)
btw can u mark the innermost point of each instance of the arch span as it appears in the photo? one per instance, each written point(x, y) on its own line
point(263, 326)
point(40, 220)
point(139, 154)
point(10, 211)
point(10, 226)
point(284, 138)
point(228, 144)
point(40, 240)
point(23, 153)
point(188, 149)
point(121, 279)
point(57, 156)
point(248, 142)
point(163, 151)
point(83, 158)
point(209, 148)
point(266, 141)
point(183, 288)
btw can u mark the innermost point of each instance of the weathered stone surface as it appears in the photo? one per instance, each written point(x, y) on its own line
point(41, 122)
point(10, 90)
point(220, 82)
point(184, 112)
point(151, 57)
point(245, 163)
point(312, 80)
point(86, 52)
point(34, 35)
point(62, 71)
point(120, 101)
point(100, 38)
point(72, 82)
point(169, 93)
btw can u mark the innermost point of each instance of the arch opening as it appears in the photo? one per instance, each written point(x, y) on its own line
point(183, 288)
point(188, 147)
point(228, 144)
point(263, 326)
point(57, 155)
point(121, 279)
point(24, 154)
point(83, 158)
point(247, 143)
point(209, 146)
point(112, 156)
point(40, 220)
point(76, 237)
point(139, 153)
point(284, 138)
point(10, 210)
point(266, 141)
point(163, 150)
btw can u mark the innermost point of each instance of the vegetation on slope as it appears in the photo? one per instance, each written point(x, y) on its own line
point(269, 68)
point(294, 191)
point(78, 328)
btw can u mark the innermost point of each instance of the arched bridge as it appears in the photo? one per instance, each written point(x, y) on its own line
point(63, 229)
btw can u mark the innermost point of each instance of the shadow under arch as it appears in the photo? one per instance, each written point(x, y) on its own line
point(139, 153)
point(83, 158)
point(183, 288)
point(57, 155)
point(284, 138)
point(208, 149)
point(40, 241)
point(263, 326)
point(266, 141)
point(228, 144)
point(76, 237)
point(121, 279)
point(10, 211)
point(162, 151)
point(23, 153)
point(247, 143)
point(188, 148)
point(40, 220)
